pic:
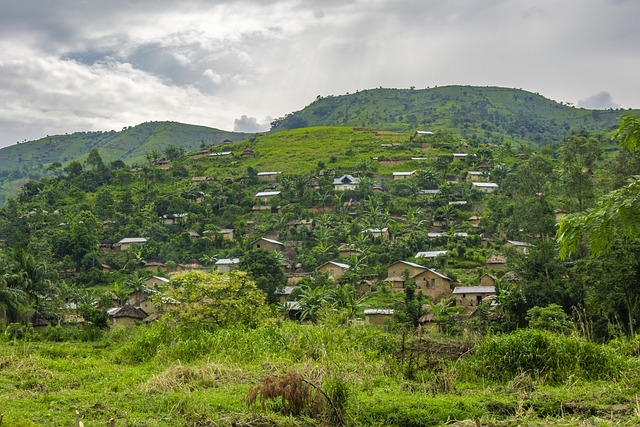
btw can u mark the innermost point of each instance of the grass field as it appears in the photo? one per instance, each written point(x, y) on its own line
point(163, 375)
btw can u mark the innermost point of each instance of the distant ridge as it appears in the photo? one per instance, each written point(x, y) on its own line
point(490, 114)
point(29, 160)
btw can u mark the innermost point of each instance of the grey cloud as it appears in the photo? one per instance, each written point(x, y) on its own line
point(600, 101)
point(249, 125)
point(109, 64)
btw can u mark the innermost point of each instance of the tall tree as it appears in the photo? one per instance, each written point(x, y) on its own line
point(264, 267)
point(616, 211)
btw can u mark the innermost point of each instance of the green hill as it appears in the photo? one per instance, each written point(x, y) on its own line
point(489, 114)
point(29, 160)
point(477, 114)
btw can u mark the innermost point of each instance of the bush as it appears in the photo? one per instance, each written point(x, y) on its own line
point(551, 318)
point(544, 355)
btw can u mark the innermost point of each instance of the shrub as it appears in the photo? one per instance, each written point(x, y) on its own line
point(551, 318)
point(544, 355)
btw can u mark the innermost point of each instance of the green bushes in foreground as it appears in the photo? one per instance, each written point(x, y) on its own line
point(544, 355)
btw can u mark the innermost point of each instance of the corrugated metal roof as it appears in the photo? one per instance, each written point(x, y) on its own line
point(474, 290)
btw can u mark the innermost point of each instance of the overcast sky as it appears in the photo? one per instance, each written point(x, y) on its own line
point(71, 65)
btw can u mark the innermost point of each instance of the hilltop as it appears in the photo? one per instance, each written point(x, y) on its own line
point(489, 114)
point(30, 160)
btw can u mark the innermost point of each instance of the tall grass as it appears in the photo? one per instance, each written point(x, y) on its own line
point(284, 343)
point(545, 356)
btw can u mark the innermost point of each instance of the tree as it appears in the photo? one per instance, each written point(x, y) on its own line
point(311, 301)
point(94, 159)
point(25, 273)
point(217, 299)
point(13, 303)
point(264, 268)
point(617, 211)
point(84, 234)
point(173, 152)
point(551, 318)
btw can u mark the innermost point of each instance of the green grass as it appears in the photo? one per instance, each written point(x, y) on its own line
point(201, 378)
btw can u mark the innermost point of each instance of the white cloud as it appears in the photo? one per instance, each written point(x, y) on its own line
point(213, 76)
point(600, 101)
point(250, 124)
point(68, 66)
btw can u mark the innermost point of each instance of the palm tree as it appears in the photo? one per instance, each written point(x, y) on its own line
point(13, 303)
point(345, 300)
point(311, 302)
point(28, 275)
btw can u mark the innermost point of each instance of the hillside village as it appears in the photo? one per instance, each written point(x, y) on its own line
point(427, 211)
point(386, 277)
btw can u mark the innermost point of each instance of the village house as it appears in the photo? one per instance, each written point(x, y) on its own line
point(154, 266)
point(268, 176)
point(400, 271)
point(265, 209)
point(475, 221)
point(381, 233)
point(284, 293)
point(560, 213)
point(347, 251)
point(163, 164)
point(305, 223)
point(488, 280)
point(223, 154)
point(346, 182)
point(396, 176)
point(127, 242)
point(496, 262)
point(429, 192)
point(487, 239)
point(472, 296)
point(170, 219)
point(437, 234)
point(296, 277)
point(140, 299)
point(127, 315)
point(265, 196)
point(333, 269)
point(459, 156)
point(226, 265)
point(156, 281)
point(377, 316)
point(226, 233)
point(202, 179)
point(433, 284)
point(193, 264)
point(422, 133)
point(477, 176)
point(267, 244)
point(429, 281)
point(200, 153)
point(430, 254)
point(520, 247)
point(485, 187)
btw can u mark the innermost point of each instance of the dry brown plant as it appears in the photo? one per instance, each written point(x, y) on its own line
point(291, 391)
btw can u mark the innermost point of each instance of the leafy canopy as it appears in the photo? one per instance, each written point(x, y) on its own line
point(617, 211)
point(220, 299)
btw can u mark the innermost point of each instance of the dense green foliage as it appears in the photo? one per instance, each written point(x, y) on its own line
point(492, 114)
